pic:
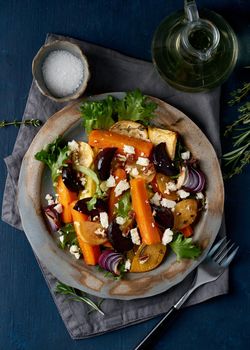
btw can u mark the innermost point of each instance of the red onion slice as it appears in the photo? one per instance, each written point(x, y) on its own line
point(52, 217)
point(109, 260)
point(195, 180)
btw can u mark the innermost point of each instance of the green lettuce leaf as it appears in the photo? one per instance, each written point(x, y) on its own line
point(124, 205)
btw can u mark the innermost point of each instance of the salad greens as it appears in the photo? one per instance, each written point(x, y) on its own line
point(124, 205)
point(102, 114)
point(55, 156)
point(69, 236)
point(185, 248)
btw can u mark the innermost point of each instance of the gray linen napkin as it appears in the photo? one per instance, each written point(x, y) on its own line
point(111, 71)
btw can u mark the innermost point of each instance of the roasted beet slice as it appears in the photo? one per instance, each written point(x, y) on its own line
point(70, 179)
point(163, 217)
point(163, 164)
point(82, 207)
point(103, 162)
point(120, 243)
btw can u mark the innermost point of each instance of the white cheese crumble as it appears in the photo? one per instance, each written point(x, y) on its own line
point(58, 208)
point(185, 155)
point(135, 236)
point(170, 186)
point(122, 186)
point(100, 232)
point(75, 250)
point(104, 220)
point(134, 172)
point(120, 220)
point(156, 199)
point(61, 238)
point(110, 181)
point(167, 236)
point(49, 199)
point(199, 195)
point(73, 146)
point(127, 265)
point(83, 180)
point(168, 203)
point(129, 149)
point(142, 161)
point(183, 194)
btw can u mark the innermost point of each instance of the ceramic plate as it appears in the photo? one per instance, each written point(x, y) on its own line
point(35, 182)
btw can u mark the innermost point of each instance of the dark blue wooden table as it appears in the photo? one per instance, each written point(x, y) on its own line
point(28, 317)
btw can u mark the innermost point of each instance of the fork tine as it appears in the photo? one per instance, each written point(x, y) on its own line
point(215, 247)
point(229, 258)
point(222, 249)
point(222, 256)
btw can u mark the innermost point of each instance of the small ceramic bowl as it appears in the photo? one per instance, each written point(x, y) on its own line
point(39, 59)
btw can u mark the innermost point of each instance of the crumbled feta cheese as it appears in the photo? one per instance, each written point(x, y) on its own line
point(142, 161)
point(73, 146)
point(77, 255)
point(134, 172)
point(127, 265)
point(170, 186)
point(58, 208)
point(83, 180)
point(183, 194)
point(168, 203)
point(116, 205)
point(49, 199)
point(61, 238)
point(156, 199)
point(185, 155)
point(120, 220)
point(129, 149)
point(167, 236)
point(154, 212)
point(122, 186)
point(135, 236)
point(74, 249)
point(100, 232)
point(128, 169)
point(199, 195)
point(181, 178)
point(104, 220)
point(110, 181)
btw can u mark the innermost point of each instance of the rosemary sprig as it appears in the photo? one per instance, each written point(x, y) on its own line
point(239, 157)
point(27, 122)
point(76, 295)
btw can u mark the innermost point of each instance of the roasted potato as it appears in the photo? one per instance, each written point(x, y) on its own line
point(130, 128)
point(85, 155)
point(185, 213)
point(157, 136)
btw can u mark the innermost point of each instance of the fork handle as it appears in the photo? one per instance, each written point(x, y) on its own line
point(153, 336)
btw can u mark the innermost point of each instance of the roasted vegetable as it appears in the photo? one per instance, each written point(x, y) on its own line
point(148, 257)
point(169, 137)
point(162, 162)
point(185, 213)
point(130, 128)
point(120, 243)
point(103, 162)
point(71, 180)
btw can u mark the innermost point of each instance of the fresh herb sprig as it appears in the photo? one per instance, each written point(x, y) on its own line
point(77, 295)
point(55, 156)
point(108, 274)
point(185, 248)
point(69, 236)
point(239, 157)
point(27, 122)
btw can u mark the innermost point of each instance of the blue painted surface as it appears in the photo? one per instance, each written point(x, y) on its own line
point(28, 317)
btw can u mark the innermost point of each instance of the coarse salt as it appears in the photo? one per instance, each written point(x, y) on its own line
point(63, 73)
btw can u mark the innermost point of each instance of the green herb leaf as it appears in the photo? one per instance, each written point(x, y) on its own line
point(54, 156)
point(135, 106)
point(97, 114)
point(124, 205)
point(77, 295)
point(69, 236)
point(185, 248)
point(27, 122)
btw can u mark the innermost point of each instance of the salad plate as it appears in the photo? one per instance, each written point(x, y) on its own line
point(35, 182)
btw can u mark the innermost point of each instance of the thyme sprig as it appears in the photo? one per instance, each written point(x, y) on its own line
point(76, 295)
point(239, 157)
point(27, 122)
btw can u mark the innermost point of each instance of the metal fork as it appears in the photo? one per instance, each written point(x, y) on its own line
point(212, 267)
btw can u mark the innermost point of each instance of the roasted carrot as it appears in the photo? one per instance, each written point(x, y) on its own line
point(90, 253)
point(65, 197)
point(104, 138)
point(119, 174)
point(143, 213)
point(187, 231)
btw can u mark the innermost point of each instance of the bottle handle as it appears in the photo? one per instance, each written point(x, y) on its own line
point(191, 11)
